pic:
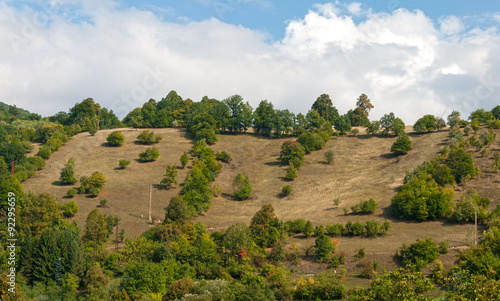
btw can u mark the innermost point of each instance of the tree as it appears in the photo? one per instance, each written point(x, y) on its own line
point(291, 172)
point(68, 173)
point(240, 113)
point(364, 103)
point(116, 138)
point(425, 124)
point(149, 155)
point(170, 177)
point(454, 119)
point(45, 255)
point(324, 106)
point(311, 141)
point(461, 164)
point(329, 157)
point(402, 145)
point(496, 112)
point(342, 124)
point(286, 190)
point(149, 137)
point(481, 115)
point(95, 228)
point(263, 118)
point(266, 227)
point(373, 128)
point(177, 211)
point(420, 253)
point(123, 163)
point(358, 117)
point(323, 248)
point(292, 151)
point(242, 188)
point(308, 229)
point(184, 160)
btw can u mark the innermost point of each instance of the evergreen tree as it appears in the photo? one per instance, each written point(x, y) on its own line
point(402, 145)
point(291, 172)
point(68, 173)
point(45, 255)
point(184, 160)
point(323, 247)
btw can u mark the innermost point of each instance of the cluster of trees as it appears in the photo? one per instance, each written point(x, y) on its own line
point(369, 229)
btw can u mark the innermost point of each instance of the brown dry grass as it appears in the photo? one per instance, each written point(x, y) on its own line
point(363, 169)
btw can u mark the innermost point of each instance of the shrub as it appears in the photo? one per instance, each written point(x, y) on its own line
point(39, 162)
point(170, 177)
point(443, 247)
point(425, 124)
point(443, 175)
point(184, 160)
point(147, 137)
point(323, 248)
point(178, 289)
point(72, 192)
point(123, 163)
point(402, 145)
point(420, 253)
point(224, 157)
point(96, 180)
point(353, 229)
point(242, 188)
point(373, 229)
point(311, 141)
point(27, 146)
point(461, 164)
point(361, 253)
point(286, 190)
point(44, 152)
point(70, 208)
point(116, 138)
point(319, 230)
point(494, 124)
point(367, 269)
point(354, 132)
point(94, 191)
point(291, 172)
point(369, 206)
point(308, 229)
point(292, 151)
point(336, 260)
point(68, 173)
point(149, 155)
point(103, 202)
point(335, 230)
point(329, 157)
point(295, 226)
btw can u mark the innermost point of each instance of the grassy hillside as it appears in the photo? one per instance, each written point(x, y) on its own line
point(363, 169)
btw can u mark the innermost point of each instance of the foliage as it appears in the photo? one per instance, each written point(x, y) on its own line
point(419, 253)
point(170, 177)
point(124, 163)
point(242, 187)
point(291, 172)
point(373, 127)
point(266, 228)
point(324, 106)
point(426, 124)
point(149, 155)
point(240, 114)
point(178, 289)
point(454, 119)
point(116, 138)
point(68, 173)
point(224, 157)
point(295, 226)
point(184, 160)
point(461, 164)
point(311, 141)
point(44, 152)
point(422, 200)
point(286, 190)
point(149, 137)
point(70, 209)
point(72, 192)
point(365, 207)
point(37, 161)
point(145, 277)
point(177, 211)
point(342, 124)
point(95, 228)
point(324, 286)
point(402, 145)
point(329, 157)
point(323, 248)
point(292, 151)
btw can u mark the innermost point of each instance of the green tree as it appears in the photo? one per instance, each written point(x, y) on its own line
point(286, 190)
point(116, 138)
point(454, 119)
point(358, 117)
point(329, 157)
point(373, 128)
point(263, 118)
point(461, 164)
point(324, 106)
point(170, 177)
point(11, 188)
point(420, 253)
point(308, 229)
point(123, 163)
point(145, 277)
point(342, 124)
point(68, 173)
point(496, 112)
point(323, 248)
point(149, 155)
point(45, 255)
point(95, 228)
point(184, 160)
point(242, 187)
point(265, 226)
point(240, 113)
point(311, 141)
point(177, 211)
point(425, 124)
point(291, 172)
point(292, 151)
point(402, 145)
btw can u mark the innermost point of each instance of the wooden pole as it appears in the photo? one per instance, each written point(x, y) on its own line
point(12, 170)
point(475, 227)
point(150, 195)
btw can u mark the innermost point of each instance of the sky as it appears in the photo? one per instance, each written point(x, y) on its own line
point(410, 57)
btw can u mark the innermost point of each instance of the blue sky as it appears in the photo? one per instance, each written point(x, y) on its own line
point(410, 57)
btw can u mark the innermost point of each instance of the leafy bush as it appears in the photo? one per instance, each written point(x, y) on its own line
point(224, 157)
point(94, 191)
point(39, 162)
point(329, 157)
point(353, 229)
point(149, 155)
point(422, 200)
point(116, 138)
point(72, 192)
point(402, 145)
point(461, 164)
point(147, 137)
point(123, 163)
point(291, 172)
point(311, 141)
point(443, 175)
point(292, 151)
point(335, 230)
point(323, 248)
point(308, 229)
point(70, 208)
point(286, 190)
point(425, 124)
point(319, 230)
point(44, 152)
point(242, 188)
point(27, 146)
point(68, 173)
point(295, 226)
point(373, 229)
point(170, 177)
point(420, 253)
point(184, 160)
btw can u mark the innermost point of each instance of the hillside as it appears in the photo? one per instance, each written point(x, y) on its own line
point(363, 169)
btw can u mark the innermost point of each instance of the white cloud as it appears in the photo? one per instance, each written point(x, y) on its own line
point(354, 8)
point(124, 57)
point(450, 25)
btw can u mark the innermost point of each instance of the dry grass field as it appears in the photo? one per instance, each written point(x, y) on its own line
point(363, 169)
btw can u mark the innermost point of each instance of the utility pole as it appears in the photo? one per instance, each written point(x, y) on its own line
point(150, 195)
point(475, 227)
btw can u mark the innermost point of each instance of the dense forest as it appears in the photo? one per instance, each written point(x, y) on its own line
point(180, 259)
